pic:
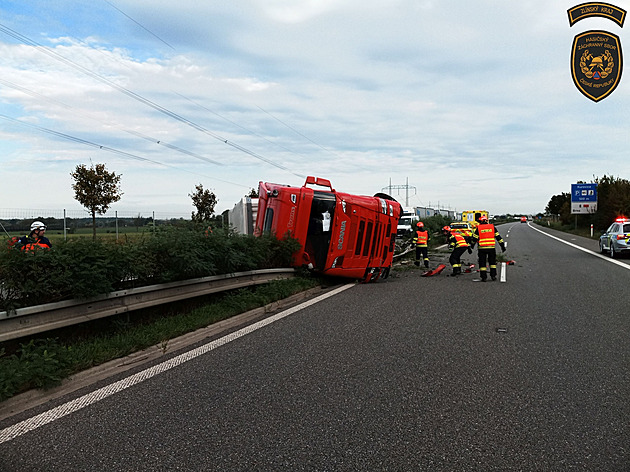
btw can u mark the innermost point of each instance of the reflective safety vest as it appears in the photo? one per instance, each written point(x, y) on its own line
point(34, 246)
point(487, 234)
point(457, 240)
point(421, 239)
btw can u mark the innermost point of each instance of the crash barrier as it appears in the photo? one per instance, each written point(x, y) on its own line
point(32, 320)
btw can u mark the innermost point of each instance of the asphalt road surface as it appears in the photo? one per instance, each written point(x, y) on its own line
point(409, 374)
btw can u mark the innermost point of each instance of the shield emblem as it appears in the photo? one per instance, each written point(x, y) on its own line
point(596, 63)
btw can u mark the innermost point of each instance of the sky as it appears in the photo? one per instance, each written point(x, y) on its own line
point(450, 104)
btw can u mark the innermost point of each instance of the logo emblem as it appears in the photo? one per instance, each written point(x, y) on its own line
point(596, 63)
point(596, 9)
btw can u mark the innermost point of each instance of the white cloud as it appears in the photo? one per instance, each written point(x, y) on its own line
point(472, 102)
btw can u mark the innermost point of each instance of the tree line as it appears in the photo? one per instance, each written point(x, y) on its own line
point(613, 201)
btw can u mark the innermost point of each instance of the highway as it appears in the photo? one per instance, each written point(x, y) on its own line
point(408, 374)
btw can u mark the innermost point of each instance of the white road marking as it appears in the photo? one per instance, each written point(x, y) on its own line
point(54, 414)
point(503, 272)
point(588, 251)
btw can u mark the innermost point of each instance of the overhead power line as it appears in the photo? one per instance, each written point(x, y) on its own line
point(126, 130)
point(300, 134)
point(138, 97)
point(148, 31)
point(234, 123)
point(107, 148)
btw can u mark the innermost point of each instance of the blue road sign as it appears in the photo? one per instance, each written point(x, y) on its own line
point(583, 198)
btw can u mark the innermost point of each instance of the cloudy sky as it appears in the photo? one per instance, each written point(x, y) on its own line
point(471, 103)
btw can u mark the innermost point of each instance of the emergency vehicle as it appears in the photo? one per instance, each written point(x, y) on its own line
point(472, 216)
point(462, 227)
point(340, 234)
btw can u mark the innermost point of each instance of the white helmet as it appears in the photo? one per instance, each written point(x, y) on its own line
point(37, 225)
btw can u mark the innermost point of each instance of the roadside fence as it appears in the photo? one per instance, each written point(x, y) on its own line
point(17, 221)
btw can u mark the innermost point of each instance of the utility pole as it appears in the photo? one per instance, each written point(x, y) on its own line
point(400, 187)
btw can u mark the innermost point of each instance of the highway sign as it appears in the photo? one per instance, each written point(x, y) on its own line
point(583, 198)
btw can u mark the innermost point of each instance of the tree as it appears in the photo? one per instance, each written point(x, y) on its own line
point(613, 199)
point(204, 201)
point(557, 202)
point(96, 189)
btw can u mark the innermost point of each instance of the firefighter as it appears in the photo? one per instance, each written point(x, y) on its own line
point(457, 242)
point(421, 240)
point(35, 239)
point(485, 235)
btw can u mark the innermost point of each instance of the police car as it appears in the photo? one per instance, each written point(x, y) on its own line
point(616, 239)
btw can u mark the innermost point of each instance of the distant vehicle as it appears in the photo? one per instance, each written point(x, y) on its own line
point(523, 219)
point(405, 223)
point(340, 234)
point(616, 239)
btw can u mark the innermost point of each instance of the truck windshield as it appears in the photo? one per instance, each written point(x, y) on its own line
point(320, 228)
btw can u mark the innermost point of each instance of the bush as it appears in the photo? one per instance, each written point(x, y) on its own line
point(41, 363)
point(82, 268)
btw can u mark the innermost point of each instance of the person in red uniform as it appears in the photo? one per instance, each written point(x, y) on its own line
point(421, 240)
point(35, 239)
point(457, 242)
point(485, 235)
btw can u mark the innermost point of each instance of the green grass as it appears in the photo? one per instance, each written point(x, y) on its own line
point(45, 362)
point(571, 229)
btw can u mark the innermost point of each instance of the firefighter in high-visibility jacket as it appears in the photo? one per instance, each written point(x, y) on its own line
point(485, 235)
point(421, 241)
point(457, 242)
point(35, 239)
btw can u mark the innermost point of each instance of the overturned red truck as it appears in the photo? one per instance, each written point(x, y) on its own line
point(340, 234)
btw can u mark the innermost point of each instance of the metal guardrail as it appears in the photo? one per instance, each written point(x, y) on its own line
point(37, 319)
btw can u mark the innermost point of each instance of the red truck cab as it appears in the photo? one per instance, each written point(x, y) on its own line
point(340, 234)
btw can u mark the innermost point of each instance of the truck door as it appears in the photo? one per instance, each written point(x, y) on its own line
point(320, 228)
